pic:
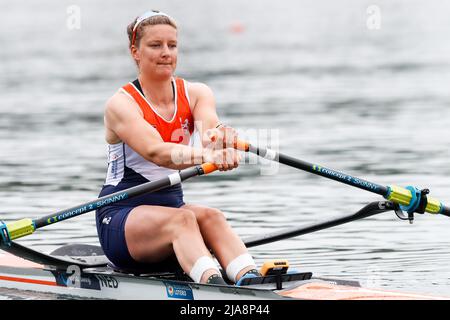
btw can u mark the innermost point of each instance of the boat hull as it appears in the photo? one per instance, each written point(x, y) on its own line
point(104, 283)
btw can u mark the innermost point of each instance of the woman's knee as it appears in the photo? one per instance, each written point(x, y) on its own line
point(184, 221)
point(212, 216)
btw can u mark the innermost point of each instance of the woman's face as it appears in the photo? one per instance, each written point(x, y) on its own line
point(157, 52)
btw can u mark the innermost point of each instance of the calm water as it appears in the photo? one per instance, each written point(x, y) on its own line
point(373, 103)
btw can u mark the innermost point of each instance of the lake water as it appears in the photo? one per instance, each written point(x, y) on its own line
point(308, 77)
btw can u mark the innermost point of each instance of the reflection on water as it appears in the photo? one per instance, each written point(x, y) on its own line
point(370, 103)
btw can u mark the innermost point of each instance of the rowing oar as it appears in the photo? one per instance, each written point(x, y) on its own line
point(410, 199)
point(370, 209)
point(20, 228)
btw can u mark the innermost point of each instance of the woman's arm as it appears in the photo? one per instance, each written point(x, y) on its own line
point(124, 119)
point(206, 118)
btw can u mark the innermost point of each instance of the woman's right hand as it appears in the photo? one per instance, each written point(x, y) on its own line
point(224, 159)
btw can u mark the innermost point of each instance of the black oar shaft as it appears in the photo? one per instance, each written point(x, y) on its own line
point(20, 228)
point(371, 209)
point(115, 197)
point(319, 170)
point(405, 197)
point(101, 202)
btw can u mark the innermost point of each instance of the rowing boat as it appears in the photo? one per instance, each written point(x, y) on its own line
point(104, 282)
point(80, 270)
point(84, 271)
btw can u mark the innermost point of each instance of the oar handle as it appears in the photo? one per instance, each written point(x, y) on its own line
point(238, 145)
point(208, 167)
point(242, 145)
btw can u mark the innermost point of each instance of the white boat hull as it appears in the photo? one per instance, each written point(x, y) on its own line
point(104, 283)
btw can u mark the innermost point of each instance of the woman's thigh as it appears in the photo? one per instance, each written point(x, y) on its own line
point(149, 232)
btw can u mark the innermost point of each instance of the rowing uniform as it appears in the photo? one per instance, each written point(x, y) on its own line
point(127, 168)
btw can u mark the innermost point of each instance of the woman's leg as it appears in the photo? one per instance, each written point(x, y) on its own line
point(222, 240)
point(153, 233)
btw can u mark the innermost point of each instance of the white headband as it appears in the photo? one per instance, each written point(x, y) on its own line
point(147, 15)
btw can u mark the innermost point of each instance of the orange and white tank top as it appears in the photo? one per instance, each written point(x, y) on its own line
point(125, 166)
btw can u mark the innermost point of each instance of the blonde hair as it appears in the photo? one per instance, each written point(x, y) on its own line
point(152, 21)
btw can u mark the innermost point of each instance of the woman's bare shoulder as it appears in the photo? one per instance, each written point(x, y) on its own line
point(120, 102)
point(199, 90)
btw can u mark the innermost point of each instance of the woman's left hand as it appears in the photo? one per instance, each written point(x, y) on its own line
point(221, 138)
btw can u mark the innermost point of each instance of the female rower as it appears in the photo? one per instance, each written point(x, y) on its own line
point(149, 123)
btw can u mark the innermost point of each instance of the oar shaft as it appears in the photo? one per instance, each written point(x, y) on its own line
point(321, 171)
point(371, 209)
point(20, 228)
point(110, 199)
point(403, 196)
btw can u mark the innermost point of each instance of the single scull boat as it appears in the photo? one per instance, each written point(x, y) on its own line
point(83, 271)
